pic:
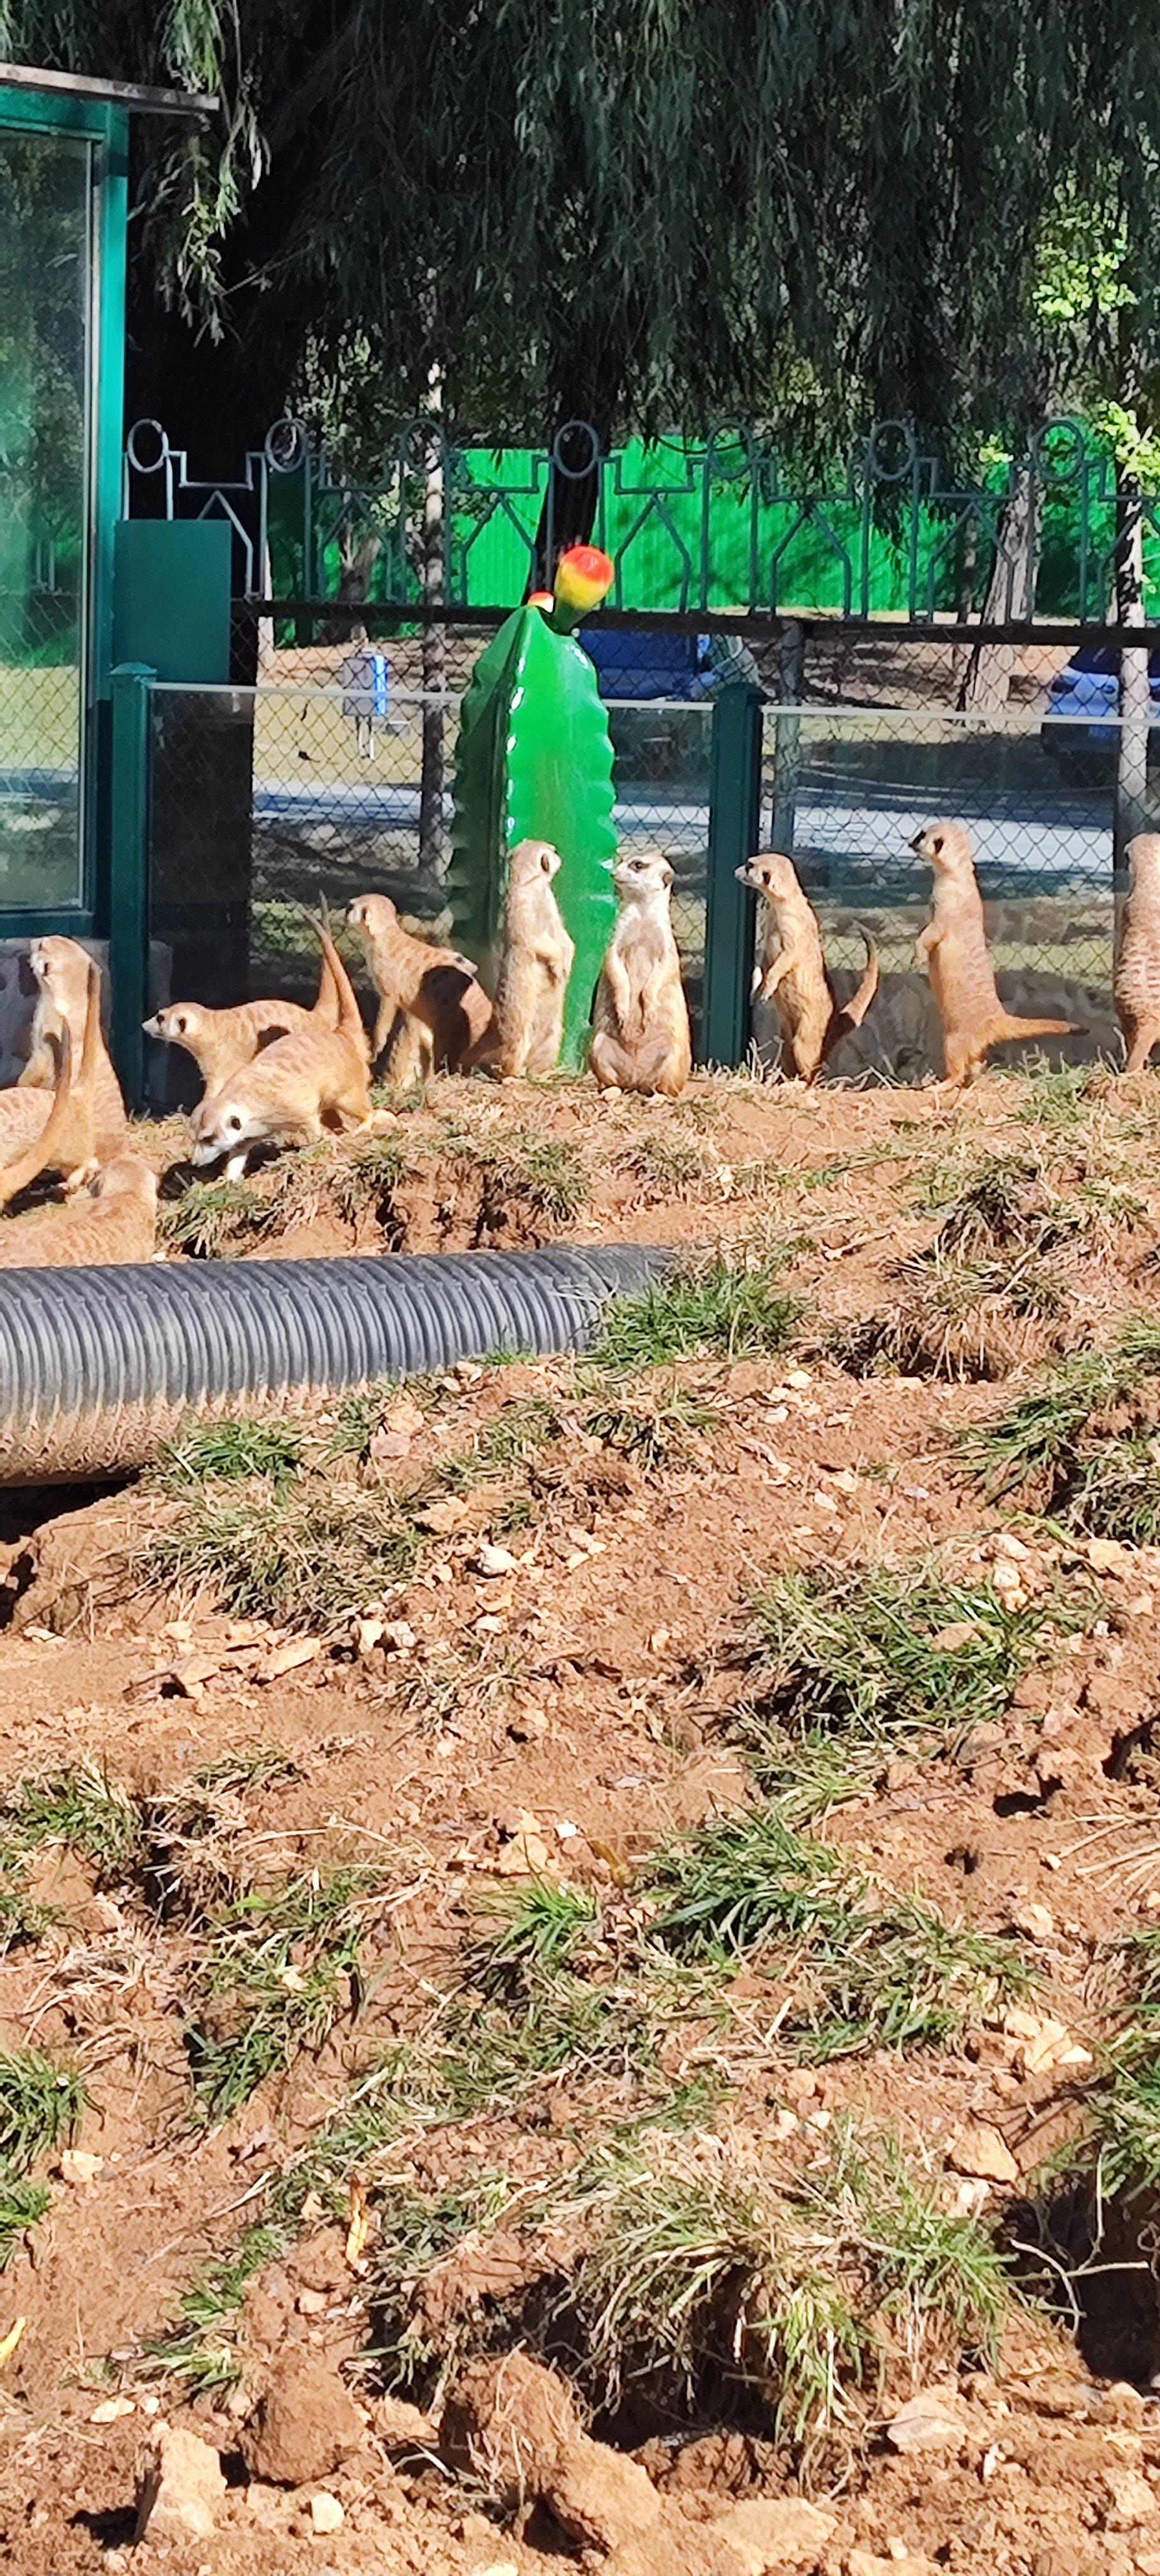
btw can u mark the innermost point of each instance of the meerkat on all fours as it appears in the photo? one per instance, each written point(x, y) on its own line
point(953, 948)
point(295, 1088)
point(791, 970)
point(57, 1131)
point(61, 968)
point(115, 1220)
point(527, 1026)
point(640, 1037)
point(1136, 976)
point(220, 1042)
point(433, 1011)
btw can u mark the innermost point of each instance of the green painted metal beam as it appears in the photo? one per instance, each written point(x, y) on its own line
point(129, 873)
point(734, 835)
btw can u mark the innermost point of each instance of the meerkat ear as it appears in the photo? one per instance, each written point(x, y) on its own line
point(667, 878)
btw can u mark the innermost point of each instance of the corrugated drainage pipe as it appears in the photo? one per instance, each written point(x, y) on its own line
point(97, 1367)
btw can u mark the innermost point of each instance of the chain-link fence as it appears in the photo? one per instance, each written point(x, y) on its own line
point(332, 778)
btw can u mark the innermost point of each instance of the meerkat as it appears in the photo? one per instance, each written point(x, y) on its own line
point(40, 1132)
point(792, 971)
point(115, 1221)
point(1136, 979)
point(433, 1011)
point(953, 948)
point(640, 1036)
point(527, 1027)
point(61, 968)
point(221, 1042)
point(296, 1086)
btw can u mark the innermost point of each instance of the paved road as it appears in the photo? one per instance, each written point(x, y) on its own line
point(1071, 839)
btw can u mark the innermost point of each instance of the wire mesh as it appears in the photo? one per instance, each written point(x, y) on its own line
point(333, 776)
point(1025, 745)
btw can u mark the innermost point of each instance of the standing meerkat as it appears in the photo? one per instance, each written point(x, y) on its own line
point(953, 948)
point(527, 1028)
point(116, 1220)
point(57, 1132)
point(61, 968)
point(293, 1089)
point(221, 1042)
point(792, 972)
point(640, 1039)
point(433, 1009)
point(1136, 979)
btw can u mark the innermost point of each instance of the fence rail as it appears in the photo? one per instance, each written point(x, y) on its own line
point(713, 526)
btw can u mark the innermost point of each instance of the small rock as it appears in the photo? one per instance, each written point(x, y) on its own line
point(367, 1635)
point(979, 2151)
point(769, 2533)
point(190, 1675)
point(287, 1658)
point(527, 1854)
point(311, 2303)
point(511, 2422)
point(959, 1632)
point(399, 1637)
point(1106, 1555)
point(1034, 1920)
point(304, 2425)
point(863, 2562)
point(112, 2409)
point(77, 2165)
point(1133, 2500)
point(494, 1561)
point(180, 2487)
point(389, 1444)
point(929, 2421)
point(397, 2424)
point(326, 2513)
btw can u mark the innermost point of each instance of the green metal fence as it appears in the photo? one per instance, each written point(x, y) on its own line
point(710, 526)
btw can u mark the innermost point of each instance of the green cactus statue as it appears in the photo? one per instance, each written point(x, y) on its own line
point(534, 762)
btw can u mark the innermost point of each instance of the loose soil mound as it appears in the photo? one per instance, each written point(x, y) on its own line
point(579, 1936)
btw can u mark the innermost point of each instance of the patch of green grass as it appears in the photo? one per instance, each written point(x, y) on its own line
point(700, 2268)
point(79, 1807)
point(721, 1309)
point(544, 1173)
point(865, 1654)
point(656, 1430)
point(212, 1218)
point(22, 2206)
point(507, 1443)
point(532, 1932)
point(40, 2104)
point(1084, 1444)
point(198, 2347)
point(859, 1968)
point(364, 1180)
point(1057, 1094)
point(305, 1557)
point(276, 1968)
point(226, 1452)
point(669, 1166)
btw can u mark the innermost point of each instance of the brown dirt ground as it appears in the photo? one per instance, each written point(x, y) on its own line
point(591, 1688)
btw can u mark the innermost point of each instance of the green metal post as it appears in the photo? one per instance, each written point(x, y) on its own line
point(129, 872)
point(734, 835)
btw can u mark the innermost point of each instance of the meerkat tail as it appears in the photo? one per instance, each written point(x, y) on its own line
point(36, 1157)
point(1006, 1026)
point(349, 1018)
point(854, 1011)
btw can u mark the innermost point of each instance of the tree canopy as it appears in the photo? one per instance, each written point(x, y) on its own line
point(644, 213)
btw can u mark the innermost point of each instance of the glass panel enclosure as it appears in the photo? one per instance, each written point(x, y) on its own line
point(46, 377)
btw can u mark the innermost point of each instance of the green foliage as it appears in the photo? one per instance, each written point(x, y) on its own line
point(303, 1557)
point(231, 1449)
point(275, 1970)
point(211, 1219)
point(861, 1969)
point(40, 2104)
point(721, 1309)
point(79, 1807)
point(1083, 1443)
point(862, 1653)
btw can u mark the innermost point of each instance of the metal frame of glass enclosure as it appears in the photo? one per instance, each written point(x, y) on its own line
point(99, 125)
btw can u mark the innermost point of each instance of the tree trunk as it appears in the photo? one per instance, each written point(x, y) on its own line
point(434, 645)
point(1010, 593)
point(1131, 813)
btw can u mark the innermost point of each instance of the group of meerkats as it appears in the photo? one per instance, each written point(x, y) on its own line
point(276, 1073)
